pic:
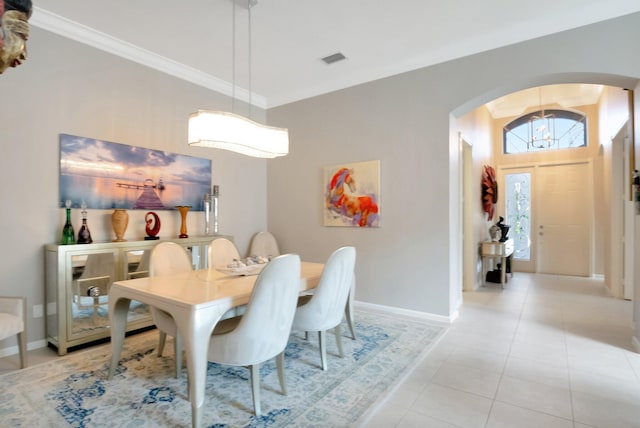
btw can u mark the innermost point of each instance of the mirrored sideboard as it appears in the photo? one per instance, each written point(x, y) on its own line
point(77, 282)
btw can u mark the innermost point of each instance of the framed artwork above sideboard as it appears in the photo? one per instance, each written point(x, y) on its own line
point(106, 175)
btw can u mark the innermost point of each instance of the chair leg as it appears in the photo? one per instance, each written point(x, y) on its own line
point(22, 344)
point(323, 349)
point(255, 388)
point(337, 331)
point(177, 347)
point(161, 340)
point(95, 310)
point(280, 364)
point(189, 389)
point(348, 312)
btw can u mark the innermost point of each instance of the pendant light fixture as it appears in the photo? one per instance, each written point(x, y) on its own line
point(230, 131)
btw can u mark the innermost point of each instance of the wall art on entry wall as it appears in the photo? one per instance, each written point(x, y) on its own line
point(352, 194)
point(110, 175)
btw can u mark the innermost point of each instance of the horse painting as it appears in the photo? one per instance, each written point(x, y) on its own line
point(341, 200)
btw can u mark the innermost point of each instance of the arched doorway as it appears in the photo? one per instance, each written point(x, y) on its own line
point(615, 81)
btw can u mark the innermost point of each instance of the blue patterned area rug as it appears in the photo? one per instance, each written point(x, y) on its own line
point(74, 391)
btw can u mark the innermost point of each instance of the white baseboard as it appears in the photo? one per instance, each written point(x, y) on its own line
point(14, 350)
point(390, 310)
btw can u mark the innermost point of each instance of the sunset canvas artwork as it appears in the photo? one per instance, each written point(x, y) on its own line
point(106, 175)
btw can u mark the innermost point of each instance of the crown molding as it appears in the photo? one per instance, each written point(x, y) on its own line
point(73, 30)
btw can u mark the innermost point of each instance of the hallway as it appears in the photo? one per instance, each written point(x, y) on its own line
point(548, 351)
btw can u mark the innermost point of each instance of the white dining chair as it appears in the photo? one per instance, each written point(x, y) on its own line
point(264, 244)
point(323, 310)
point(222, 252)
point(168, 258)
point(13, 322)
point(262, 332)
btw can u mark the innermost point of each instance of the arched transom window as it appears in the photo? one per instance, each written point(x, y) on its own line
point(545, 130)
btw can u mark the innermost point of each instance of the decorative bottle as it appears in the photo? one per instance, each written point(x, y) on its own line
point(214, 207)
point(207, 214)
point(68, 236)
point(84, 235)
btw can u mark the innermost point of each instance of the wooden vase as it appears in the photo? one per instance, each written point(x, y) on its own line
point(119, 222)
point(184, 209)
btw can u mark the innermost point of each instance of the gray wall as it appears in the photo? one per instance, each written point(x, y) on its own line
point(412, 261)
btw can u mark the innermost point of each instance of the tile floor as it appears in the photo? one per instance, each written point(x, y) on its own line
point(547, 351)
point(35, 356)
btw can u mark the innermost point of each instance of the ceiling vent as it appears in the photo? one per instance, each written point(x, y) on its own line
point(334, 58)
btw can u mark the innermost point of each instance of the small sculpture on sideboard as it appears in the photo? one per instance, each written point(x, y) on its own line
point(184, 209)
point(119, 222)
point(504, 229)
point(152, 226)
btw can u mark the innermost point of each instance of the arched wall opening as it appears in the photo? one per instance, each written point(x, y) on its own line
point(455, 150)
point(624, 82)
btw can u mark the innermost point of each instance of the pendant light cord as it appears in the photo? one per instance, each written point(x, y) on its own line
point(233, 60)
point(250, 91)
point(540, 101)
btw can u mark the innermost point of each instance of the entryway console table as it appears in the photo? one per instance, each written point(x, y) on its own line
point(77, 282)
point(492, 251)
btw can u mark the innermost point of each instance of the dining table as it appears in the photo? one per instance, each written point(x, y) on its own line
point(196, 300)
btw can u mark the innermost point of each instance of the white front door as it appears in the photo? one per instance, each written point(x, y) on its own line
point(564, 224)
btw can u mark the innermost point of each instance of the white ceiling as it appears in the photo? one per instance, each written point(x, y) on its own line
point(193, 38)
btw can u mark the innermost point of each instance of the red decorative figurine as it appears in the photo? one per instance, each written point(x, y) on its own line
point(153, 226)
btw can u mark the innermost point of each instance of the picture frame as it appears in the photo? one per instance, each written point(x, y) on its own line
point(352, 195)
point(104, 175)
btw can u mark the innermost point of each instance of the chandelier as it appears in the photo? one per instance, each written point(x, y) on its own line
point(230, 131)
point(541, 128)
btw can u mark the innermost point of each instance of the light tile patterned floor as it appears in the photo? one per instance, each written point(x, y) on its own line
point(547, 351)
